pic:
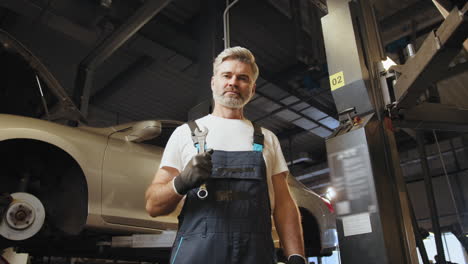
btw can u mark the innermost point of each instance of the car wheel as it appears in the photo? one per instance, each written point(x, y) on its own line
point(46, 175)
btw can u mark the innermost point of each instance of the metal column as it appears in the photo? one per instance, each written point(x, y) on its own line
point(373, 216)
point(210, 35)
point(430, 197)
point(211, 43)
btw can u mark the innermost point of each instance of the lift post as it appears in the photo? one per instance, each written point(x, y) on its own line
point(373, 214)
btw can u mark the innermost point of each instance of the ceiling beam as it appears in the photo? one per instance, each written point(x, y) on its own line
point(33, 11)
point(278, 82)
point(409, 21)
point(294, 111)
point(124, 32)
point(172, 36)
point(90, 37)
point(276, 110)
point(121, 79)
point(431, 116)
point(108, 46)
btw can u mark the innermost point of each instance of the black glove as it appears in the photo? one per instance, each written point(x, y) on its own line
point(296, 259)
point(196, 172)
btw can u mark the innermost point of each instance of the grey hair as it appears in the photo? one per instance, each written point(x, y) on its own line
point(237, 53)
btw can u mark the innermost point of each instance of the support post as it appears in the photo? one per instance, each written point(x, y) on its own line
point(373, 211)
point(211, 44)
point(430, 197)
point(418, 237)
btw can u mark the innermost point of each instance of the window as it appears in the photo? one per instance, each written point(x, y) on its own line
point(453, 250)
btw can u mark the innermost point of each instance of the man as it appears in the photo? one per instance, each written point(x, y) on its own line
point(244, 172)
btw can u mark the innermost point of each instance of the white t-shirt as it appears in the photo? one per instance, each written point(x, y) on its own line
point(228, 135)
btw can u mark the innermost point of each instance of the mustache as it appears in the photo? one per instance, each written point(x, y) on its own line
point(231, 90)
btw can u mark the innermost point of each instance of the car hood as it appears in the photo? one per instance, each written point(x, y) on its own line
point(64, 109)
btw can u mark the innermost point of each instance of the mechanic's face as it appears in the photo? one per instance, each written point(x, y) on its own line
point(233, 84)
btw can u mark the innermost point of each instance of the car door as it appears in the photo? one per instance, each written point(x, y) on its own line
point(128, 170)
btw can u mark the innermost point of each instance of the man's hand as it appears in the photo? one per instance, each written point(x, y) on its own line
point(296, 259)
point(196, 172)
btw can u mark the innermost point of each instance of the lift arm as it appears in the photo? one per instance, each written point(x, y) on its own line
point(432, 59)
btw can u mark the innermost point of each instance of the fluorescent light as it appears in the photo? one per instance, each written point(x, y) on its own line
point(330, 194)
point(388, 63)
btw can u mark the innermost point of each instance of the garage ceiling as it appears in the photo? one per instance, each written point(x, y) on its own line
point(158, 73)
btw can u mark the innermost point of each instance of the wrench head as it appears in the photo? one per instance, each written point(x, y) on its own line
point(198, 132)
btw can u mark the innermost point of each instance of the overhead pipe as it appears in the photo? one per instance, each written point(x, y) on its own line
point(107, 47)
point(295, 8)
point(227, 39)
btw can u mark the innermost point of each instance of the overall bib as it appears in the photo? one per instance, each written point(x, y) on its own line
point(233, 224)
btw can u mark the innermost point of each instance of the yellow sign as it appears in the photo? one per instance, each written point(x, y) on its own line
point(337, 80)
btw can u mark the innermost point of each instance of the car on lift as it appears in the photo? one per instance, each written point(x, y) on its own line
point(81, 185)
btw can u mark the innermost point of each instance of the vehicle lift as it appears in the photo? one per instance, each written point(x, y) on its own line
point(375, 221)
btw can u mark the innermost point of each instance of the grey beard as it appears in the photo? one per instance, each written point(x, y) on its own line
point(229, 102)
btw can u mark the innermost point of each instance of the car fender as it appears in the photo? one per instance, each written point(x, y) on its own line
point(314, 204)
point(81, 145)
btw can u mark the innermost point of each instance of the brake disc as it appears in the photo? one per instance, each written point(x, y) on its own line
point(23, 218)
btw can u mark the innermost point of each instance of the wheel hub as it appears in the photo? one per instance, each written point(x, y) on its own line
point(20, 215)
point(23, 218)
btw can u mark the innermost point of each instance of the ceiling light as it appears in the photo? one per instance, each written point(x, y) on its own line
point(330, 194)
point(106, 3)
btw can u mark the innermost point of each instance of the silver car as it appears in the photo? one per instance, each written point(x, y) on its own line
point(87, 184)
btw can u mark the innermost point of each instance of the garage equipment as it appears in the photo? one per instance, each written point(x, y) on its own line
point(373, 216)
point(163, 240)
point(373, 211)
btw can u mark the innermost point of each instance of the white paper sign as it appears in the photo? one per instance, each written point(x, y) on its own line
point(356, 224)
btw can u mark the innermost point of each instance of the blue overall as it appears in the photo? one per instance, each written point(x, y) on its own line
point(233, 224)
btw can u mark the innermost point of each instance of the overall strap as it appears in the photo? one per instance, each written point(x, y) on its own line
point(258, 138)
point(197, 139)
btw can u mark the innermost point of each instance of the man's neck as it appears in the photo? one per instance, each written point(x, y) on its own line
point(229, 113)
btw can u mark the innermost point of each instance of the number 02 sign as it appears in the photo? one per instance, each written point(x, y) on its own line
point(337, 80)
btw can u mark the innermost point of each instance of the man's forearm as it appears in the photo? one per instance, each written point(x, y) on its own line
point(289, 228)
point(161, 199)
